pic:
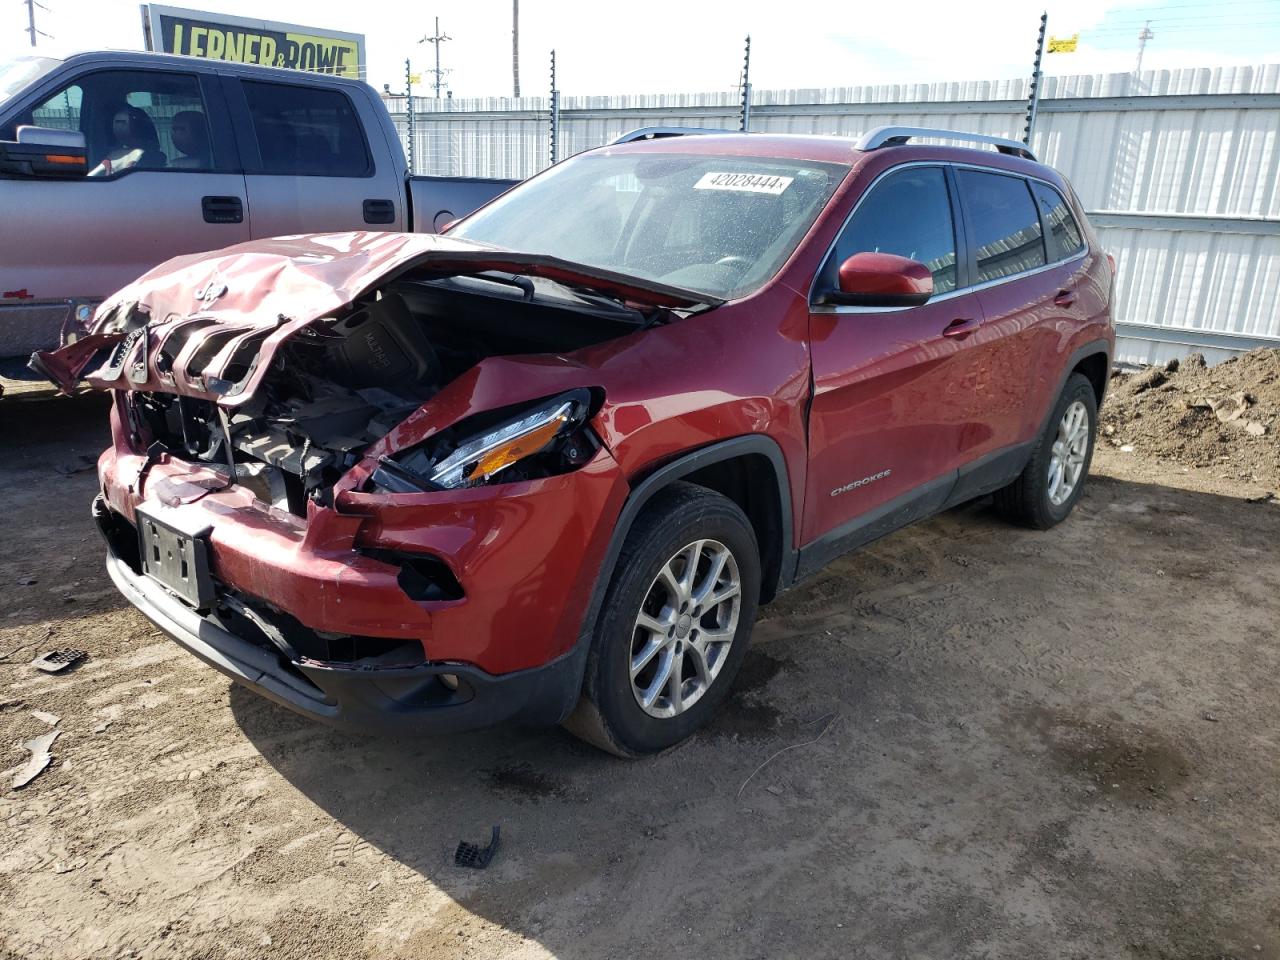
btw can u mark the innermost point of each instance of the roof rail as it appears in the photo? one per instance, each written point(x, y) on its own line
point(897, 136)
point(659, 133)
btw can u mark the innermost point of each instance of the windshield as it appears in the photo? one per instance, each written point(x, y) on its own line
point(15, 75)
point(717, 225)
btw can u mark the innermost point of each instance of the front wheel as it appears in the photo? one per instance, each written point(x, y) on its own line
point(675, 624)
point(1051, 482)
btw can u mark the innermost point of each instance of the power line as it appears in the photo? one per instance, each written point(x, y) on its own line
point(1199, 4)
point(1248, 15)
point(1184, 29)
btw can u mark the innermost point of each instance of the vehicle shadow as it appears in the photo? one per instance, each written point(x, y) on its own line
point(942, 788)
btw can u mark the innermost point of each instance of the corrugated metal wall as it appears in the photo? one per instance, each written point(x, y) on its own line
point(1180, 171)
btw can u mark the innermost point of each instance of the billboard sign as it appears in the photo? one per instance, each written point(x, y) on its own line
point(217, 36)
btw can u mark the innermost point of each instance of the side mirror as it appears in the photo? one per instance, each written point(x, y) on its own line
point(44, 152)
point(882, 280)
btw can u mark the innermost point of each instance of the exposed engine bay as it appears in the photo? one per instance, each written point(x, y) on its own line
point(344, 382)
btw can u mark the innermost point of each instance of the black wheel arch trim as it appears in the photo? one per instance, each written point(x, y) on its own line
point(732, 449)
point(1090, 349)
point(665, 475)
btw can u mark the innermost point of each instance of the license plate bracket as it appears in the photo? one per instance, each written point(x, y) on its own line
point(176, 556)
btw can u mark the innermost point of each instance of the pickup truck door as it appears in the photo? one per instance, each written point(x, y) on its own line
point(314, 161)
point(145, 199)
point(891, 386)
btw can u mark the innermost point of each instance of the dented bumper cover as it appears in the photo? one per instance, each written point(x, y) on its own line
point(526, 556)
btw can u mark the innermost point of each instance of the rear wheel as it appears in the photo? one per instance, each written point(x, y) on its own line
point(674, 626)
point(1051, 482)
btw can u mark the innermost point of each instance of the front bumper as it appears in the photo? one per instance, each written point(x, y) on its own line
point(355, 699)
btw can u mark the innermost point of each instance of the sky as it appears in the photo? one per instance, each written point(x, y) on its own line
point(664, 46)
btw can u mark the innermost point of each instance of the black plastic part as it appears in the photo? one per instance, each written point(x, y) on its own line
point(697, 460)
point(379, 211)
point(178, 559)
point(475, 856)
point(55, 661)
point(32, 160)
point(380, 344)
point(222, 209)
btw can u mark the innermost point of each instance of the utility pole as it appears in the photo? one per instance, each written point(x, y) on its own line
point(1033, 101)
point(31, 21)
point(515, 47)
point(1143, 37)
point(435, 40)
point(555, 112)
point(744, 112)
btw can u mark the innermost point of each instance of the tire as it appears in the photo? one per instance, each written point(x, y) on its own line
point(610, 714)
point(1032, 500)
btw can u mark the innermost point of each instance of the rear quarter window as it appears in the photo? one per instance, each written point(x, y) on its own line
point(1064, 239)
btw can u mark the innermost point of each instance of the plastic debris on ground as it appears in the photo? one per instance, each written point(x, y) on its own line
point(475, 856)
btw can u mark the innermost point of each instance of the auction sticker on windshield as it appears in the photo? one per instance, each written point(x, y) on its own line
point(744, 182)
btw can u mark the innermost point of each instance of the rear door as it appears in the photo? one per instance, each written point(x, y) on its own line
point(309, 166)
point(1017, 294)
point(892, 388)
point(163, 180)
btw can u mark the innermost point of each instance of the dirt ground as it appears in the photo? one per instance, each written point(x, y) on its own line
point(1002, 743)
point(1225, 417)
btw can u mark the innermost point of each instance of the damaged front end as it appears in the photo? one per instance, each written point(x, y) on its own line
point(285, 362)
point(304, 432)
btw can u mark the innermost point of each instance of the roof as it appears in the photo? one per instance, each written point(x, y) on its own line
point(822, 149)
point(184, 62)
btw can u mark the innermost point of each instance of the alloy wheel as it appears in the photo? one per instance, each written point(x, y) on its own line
point(1070, 446)
point(685, 628)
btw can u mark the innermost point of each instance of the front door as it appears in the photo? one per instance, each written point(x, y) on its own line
point(891, 385)
point(161, 183)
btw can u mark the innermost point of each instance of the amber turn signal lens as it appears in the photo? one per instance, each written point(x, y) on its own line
point(63, 158)
point(516, 449)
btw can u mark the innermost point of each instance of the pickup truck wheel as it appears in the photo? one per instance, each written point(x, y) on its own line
point(675, 624)
point(1051, 482)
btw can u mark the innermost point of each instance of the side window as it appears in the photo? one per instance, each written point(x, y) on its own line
point(1003, 223)
point(908, 214)
point(133, 120)
point(306, 131)
point(1064, 237)
point(61, 111)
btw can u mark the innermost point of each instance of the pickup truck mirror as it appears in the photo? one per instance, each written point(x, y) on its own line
point(44, 152)
point(882, 280)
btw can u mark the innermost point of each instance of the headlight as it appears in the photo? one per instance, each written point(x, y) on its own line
point(455, 459)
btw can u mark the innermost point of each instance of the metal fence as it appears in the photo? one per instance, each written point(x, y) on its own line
point(1179, 170)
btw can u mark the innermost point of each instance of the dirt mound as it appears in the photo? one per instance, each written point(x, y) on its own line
point(1226, 416)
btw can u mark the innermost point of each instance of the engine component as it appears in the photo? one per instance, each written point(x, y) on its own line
point(382, 345)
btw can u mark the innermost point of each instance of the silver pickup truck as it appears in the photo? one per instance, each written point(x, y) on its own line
point(111, 163)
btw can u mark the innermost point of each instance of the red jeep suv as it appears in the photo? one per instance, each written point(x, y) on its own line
point(546, 466)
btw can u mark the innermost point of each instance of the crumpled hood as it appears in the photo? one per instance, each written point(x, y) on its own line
point(208, 324)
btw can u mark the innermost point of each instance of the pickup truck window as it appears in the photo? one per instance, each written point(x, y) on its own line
point(133, 120)
point(908, 214)
point(714, 224)
point(306, 132)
